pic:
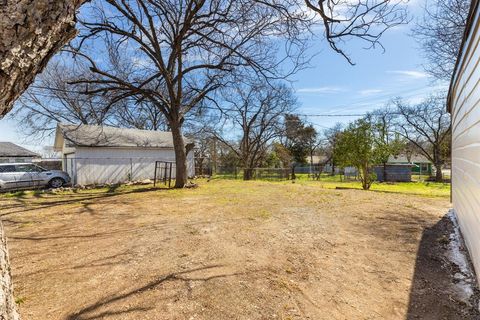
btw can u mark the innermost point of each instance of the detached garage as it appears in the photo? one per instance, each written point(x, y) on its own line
point(10, 152)
point(103, 154)
point(464, 106)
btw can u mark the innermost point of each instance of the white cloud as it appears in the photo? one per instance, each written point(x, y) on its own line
point(321, 90)
point(410, 73)
point(369, 92)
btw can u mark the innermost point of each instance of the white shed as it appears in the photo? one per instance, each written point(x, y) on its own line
point(104, 154)
point(464, 106)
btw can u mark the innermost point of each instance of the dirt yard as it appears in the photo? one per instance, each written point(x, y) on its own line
point(231, 250)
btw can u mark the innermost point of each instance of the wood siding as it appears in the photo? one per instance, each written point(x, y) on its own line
point(464, 105)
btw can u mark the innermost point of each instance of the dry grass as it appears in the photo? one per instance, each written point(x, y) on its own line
point(225, 250)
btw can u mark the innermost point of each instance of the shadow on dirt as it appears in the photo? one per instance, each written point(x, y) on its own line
point(96, 310)
point(24, 204)
point(433, 294)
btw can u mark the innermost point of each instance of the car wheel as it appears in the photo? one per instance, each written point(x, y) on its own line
point(56, 183)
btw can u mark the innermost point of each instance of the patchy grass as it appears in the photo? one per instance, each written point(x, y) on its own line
point(229, 249)
point(421, 188)
point(429, 189)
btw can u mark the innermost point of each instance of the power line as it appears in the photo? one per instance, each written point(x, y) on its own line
point(46, 95)
point(307, 115)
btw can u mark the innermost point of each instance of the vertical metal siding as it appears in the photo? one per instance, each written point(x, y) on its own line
point(116, 165)
point(465, 107)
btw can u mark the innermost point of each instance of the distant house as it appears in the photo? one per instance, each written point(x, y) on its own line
point(463, 104)
point(104, 154)
point(420, 164)
point(10, 152)
point(316, 159)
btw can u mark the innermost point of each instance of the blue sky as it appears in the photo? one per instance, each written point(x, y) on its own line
point(335, 87)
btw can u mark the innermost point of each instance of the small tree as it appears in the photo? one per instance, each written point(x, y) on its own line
point(356, 147)
point(298, 139)
point(387, 141)
point(283, 154)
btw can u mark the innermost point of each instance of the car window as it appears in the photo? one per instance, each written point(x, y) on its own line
point(7, 169)
point(27, 168)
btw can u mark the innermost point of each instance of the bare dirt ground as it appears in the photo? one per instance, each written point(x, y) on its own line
point(231, 250)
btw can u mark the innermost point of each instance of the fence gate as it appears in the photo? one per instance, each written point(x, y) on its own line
point(163, 172)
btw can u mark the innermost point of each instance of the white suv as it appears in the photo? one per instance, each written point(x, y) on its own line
point(26, 175)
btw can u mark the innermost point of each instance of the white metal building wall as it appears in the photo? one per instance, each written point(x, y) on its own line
point(115, 165)
point(464, 101)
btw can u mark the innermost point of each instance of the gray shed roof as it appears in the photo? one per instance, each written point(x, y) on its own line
point(9, 149)
point(106, 136)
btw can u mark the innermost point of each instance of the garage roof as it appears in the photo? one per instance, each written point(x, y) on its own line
point(106, 136)
point(9, 149)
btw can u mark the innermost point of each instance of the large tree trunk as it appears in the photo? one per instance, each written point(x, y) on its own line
point(31, 31)
point(8, 309)
point(247, 173)
point(181, 175)
point(438, 173)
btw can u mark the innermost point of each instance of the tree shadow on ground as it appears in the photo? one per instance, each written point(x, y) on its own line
point(25, 204)
point(432, 294)
point(94, 311)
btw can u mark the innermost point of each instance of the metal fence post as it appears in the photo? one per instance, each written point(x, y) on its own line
point(131, 170)
point(155, 175)
point(170, 176)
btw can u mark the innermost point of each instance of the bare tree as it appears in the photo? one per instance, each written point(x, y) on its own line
point(183, 50)
point(440, 33)
point(257, 111)
point(366, 20)
point(52, 100)
point(138, 114)
point(427, 126)
point(203, 152)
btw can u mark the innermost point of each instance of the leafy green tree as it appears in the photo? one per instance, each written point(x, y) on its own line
point(298, 139)
point(387, 141)
point(357, 147)
point(283, 154)
point(272, 160)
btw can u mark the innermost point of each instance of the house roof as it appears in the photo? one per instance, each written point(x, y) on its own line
point(401, 158)
point(464, 47)
point(9, 149)
point(105, 136)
